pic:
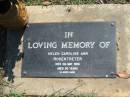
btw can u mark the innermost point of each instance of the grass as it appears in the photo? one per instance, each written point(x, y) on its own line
point(15, 94)
point(68, 2)
point(12, 93)
point(33, 2)
point(18, 94)
point(80, 95)
point(69, 93)
point(2, 82)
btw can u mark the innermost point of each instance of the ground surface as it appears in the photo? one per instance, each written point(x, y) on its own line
point(103, 87)
point(62, 2)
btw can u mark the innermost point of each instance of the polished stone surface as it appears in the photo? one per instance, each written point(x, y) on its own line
point(73, 49)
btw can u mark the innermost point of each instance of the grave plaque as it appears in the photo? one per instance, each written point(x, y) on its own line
point(72, 49)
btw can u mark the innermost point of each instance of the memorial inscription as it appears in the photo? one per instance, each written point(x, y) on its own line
point(80, 49)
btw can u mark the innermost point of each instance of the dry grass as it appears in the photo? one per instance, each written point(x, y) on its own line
point(2, 82)
point(68, 2)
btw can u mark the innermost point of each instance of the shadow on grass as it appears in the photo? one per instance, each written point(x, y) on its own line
point(13, 53)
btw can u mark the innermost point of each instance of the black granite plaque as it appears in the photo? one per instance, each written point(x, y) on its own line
point(81, 49)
